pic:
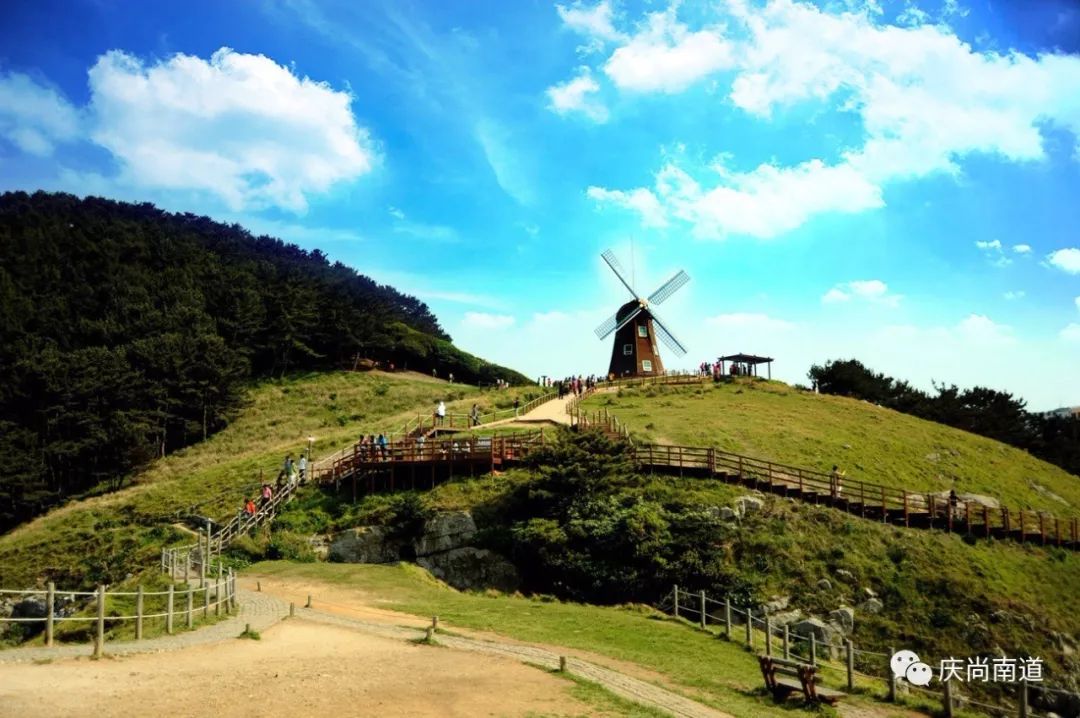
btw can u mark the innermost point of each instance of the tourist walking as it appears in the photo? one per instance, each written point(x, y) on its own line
point(835, 481)
point(474, 415)
point(267, 494)
point(382, 446)
point(249, 507)
point(440, 413)
point(303, 468)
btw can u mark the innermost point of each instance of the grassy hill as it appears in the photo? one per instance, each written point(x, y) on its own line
point(773, 421)
point(103, 538)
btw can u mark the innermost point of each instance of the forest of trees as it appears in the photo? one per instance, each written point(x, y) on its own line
point(995, 414)
point(129, 332)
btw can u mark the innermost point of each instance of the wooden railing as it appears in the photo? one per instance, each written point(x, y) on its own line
point(215, 594)
point(427, 425)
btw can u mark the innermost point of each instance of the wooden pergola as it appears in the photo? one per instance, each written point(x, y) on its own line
point(746, 364)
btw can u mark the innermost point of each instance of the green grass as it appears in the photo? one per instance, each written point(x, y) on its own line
point(102, 539)
point(603, 702)
point(713, 671)
point(772, 421)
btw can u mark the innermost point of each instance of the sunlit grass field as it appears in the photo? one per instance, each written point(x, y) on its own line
point(773, 421)
point(103, 538)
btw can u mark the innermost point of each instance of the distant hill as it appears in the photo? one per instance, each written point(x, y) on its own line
point(129, 332)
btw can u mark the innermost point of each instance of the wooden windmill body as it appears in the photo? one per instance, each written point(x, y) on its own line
point(636, 327)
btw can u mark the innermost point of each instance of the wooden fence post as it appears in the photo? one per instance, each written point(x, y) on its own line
point(813, 650)
point(217, 597)
point(1023, 699)
point(169, 611)
point(138, 612)
point(190, 606)
point(947, 700)
point(787, 643)
point(50, 615)
point(749, 628)
point(675, 593)
point(727, 618)
point(703, 610)
point(850, 666)
point(891, 675)
point(768, 636)
point(99, 636)
point(205, 591)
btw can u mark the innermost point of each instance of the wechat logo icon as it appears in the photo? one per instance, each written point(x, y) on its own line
point(906, 665)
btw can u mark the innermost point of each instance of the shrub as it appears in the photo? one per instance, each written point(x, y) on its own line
point(290, 547)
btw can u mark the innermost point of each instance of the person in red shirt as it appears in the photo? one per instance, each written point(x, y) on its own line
point(249, 508)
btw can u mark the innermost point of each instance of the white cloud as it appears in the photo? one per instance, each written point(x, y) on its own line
point(981, 329)
point(665, 56)
point(752, 320)
point(505, 163)
point(1067, 260)
point(764, 202)
point(483, 320)
point(1078, 303)
point(33, 117)
point(925, 98)
point(1018, 294)
point(1071, 333)
point(239, 127)
point(870, 290)
point(574, 96)
point(396, 213)
point(639, 200)
point(593, 22)
point(993, 252)
point(1022, 248)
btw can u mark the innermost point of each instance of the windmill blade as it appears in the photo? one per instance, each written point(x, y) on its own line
point(628, 318)
point(613, 262)
point(608, 325)
point(667, 337)
point(670, 287)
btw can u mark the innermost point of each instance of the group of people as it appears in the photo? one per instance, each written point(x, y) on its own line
point(372, 447)
point(713, 369)
point(575, 385)
point(292, 472)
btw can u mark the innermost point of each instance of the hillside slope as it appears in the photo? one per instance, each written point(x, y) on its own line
point(129, 332)
point(103, 538)
point(772, 421)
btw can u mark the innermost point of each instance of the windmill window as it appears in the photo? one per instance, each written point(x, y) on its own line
point(646, 365)
point(643, 331)
point(627, 349)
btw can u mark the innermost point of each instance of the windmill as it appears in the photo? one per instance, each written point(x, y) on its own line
point(636, 327)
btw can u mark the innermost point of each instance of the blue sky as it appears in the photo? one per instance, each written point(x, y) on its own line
point(892, 180)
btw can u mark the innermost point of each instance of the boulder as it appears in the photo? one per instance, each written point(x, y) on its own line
point(869, 592)
point(727, 513)
point(786, 618)
point(30, 607)
point(776, 604)
point(821, 631)
point(844, 617)
point(366, 544)
point(471, 569)
point(445, 532)
point(872, 606)
point(824, 584)
point(745, 505)
point(844, 575)
point(320, 545)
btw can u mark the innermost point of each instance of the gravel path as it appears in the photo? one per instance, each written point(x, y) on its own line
point(620, 684)
point(261, 610)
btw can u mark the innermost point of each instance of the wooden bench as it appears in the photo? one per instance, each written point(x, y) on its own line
point(784, 677)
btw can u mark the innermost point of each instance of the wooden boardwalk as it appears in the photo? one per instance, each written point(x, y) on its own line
point(411, 465)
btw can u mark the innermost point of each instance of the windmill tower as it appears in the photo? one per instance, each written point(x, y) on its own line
point(636, 327)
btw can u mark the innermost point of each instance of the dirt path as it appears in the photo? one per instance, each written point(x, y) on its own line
point(351, 608)
point(299, 668)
